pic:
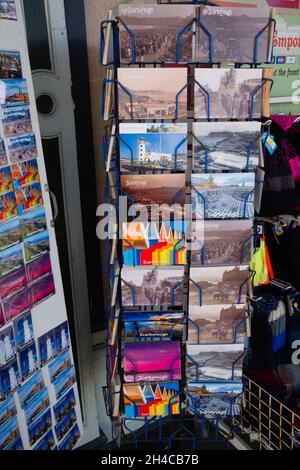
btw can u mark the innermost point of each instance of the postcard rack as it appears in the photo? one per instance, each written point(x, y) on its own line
point(187, 429)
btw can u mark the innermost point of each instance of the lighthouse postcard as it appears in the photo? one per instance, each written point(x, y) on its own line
point(7, 345)
point(28, 361)
point(23, 330)
point(153, 146)
point(9, 378)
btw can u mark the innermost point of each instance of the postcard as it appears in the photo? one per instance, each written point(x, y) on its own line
point(64, 426)
point(10, 234)
point(23, 329)
point(213, 285)
point(8, 410)
point(33, 222)
point(10, 438)
point(36, 245)
point(214, 324)
point(231, 92)
point(28, 361)
point(8, 10)
point(9, 378)
point(17, 304)
point(11, 259)
point(153, 286)
point(223, 195)
point(152, 93)
point(147, 325)
point(233, 32)
point(13, 93)
point(3, 156)
point(16, 122)
point(62, 337)
point(47, 347)
point(153, 399)
point(65, 381)
point(22, 147)
point(29, 197)
point(215, 398)
point(6, 183)
point(12, 284)
point(220, 362)
point(64, 406)
point(8, 207)
point(222, 242)
point(36, 406)
point(157, 361)
point(158, 194)
point(154, 33)
point(226, 146)
point(38, 268)
point(69, 442)
point(154, 244)
point(47, 442)
point(25, 173)
point(61, 363)
point(10, 64)
point(33, 386)
point(40, 427)
point(7, 345)
point(153, 146)
point(2, 319)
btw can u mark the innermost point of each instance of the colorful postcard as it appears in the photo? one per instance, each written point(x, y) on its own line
point(154, 244)
point(17, 304)
point(16, 122)
point(3, 156)
point(61, 363)
point(10, 234)
point(13, 93)
point(62, 337)
point(47, 347)
point(11, 259)
point(215, 398)
point(9, 378)
point(147, 325)
point(38, 268)
point(157, 361)
point(28, 198)
point(33, 386)
point(64, 426)
point(223, 195)
point(47, 442)
point(12, 284)
point(10, 438)
point(64, 406)
point(40, 427)
point(65, 381)
point(153, 286)
point(153, 146)
point(23, 329)
point(28, 361)
point(8, 10)
point(6, 183)
point(22, 147)
point(152, 93)
point(223, 242)
point(158, 194)
point(220, 362)
point(213, 324)
point(156, 399)
point(8, 410)
point(231, 92)
point(226, 146)
point(36, 245)
point(7, 345)
point(10, 64)
point(154, 33)
point(69, 442)
point(2, 319)
point(36, 406)
point(233, 32)
point(25, 173)
point(8, 207)
point(33, 222)
point(213, 285)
